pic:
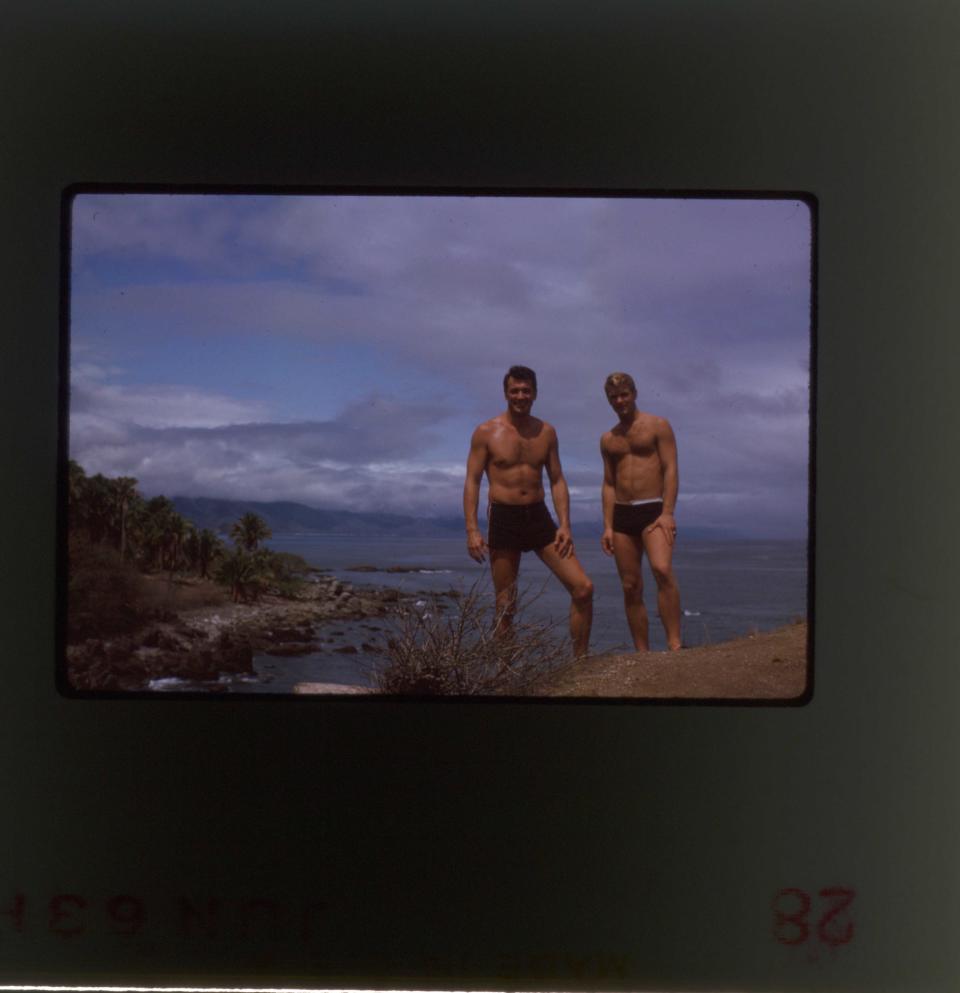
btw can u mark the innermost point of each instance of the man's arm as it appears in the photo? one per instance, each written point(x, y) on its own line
point(561, 498)
point(667, 449)
point(608, 498)
point(476, 463)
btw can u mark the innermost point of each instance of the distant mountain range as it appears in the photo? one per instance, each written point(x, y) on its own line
point(284, 516)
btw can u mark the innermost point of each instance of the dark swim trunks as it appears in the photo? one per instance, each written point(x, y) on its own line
point(520, 527)
point(632, 518)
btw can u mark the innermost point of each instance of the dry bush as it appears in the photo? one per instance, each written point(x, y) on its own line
point(456, 653)
point(104, 593)
point(163, 596)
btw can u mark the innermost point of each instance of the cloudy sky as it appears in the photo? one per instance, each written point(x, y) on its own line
point(338, 351)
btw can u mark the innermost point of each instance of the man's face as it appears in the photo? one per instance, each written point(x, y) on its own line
point(623, 400)
point(520, 395)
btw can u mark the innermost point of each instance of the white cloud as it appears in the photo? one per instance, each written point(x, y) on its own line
point(184, 442)
point(705, 303)
point(96, 404)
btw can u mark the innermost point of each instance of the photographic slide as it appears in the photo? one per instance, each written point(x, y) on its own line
point(479, 496)
point(299, 462)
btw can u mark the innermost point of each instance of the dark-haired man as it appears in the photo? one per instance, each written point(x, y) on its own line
point(513, 449)
point(640, 483)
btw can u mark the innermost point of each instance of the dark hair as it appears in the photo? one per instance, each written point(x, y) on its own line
point(522, 373)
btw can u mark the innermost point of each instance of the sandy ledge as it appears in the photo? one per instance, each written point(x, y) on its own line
point(768, 666)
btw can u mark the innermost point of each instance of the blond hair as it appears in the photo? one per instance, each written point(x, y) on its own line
point(617, 379)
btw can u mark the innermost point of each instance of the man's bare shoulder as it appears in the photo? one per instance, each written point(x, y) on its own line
point(487, 428)
point(647, 421)
point(660, 424)
point(619, 430)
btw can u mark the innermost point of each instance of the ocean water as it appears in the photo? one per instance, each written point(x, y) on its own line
point(728, 589)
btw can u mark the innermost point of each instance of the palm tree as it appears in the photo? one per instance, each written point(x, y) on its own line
point(175, 532)
point(208, 547)
point(164, 533)
point(137, 529)
point(76, 483)
point(191, 547)
point(77, 486)
point(156, 515)
point(124, 490)
point(243, 573)
point(249, 531)
point(98, 508)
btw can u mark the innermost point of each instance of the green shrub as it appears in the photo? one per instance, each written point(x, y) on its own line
point(245, 574)
point(288, 588)
point(286, 565)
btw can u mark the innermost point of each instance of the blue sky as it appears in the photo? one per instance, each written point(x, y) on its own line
point(339, 351)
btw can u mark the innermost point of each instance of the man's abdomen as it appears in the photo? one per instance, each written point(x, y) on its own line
point(638, 479)
point(516, 486)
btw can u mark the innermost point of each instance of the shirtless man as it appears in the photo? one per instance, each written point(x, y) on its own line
point(513, 449)
point(640, 485)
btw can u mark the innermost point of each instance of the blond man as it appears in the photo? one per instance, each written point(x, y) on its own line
point(640, 484)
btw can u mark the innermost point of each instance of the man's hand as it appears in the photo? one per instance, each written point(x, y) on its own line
point(476, 546)
point(563, 542)
point(606, 541)
point(667, 524)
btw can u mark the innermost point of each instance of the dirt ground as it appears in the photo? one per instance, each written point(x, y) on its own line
point(760, 667)
point(182, 594)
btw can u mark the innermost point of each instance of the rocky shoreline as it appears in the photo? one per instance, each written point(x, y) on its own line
point(208, 644)
point(213, 645)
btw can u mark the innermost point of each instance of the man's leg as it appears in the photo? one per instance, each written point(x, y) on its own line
point(569, 571)
point(628, 554)
point(504, 567)
point(660, 553)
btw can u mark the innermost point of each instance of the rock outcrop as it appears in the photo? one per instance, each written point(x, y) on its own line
point(210, 645)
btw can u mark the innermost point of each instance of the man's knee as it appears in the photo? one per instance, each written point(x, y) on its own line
point(582, 592)
point(632, 587)
point(663, 575)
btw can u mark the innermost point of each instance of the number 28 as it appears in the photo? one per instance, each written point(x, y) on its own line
point(791, 908)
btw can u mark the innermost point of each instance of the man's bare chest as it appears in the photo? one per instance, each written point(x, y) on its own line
point(639, 442)
point(508, 450)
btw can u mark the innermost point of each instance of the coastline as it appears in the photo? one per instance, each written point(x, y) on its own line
point(213, 642)
point(203, 641)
